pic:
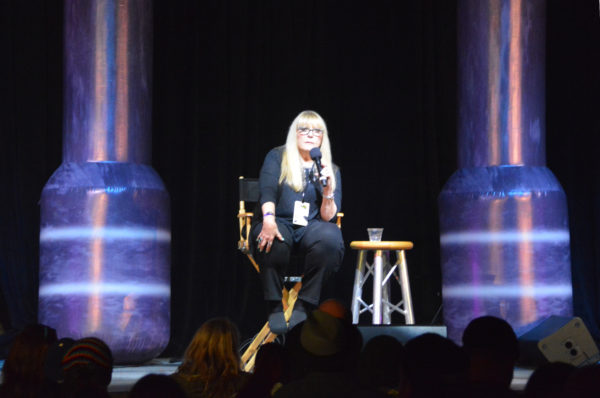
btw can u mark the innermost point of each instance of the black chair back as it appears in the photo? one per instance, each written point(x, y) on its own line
point(249, 191)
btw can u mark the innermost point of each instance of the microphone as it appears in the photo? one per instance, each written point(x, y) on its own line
point(315, 155)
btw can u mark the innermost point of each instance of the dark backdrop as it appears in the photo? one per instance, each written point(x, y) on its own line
point(229, 77)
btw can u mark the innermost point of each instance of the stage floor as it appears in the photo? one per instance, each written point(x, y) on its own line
point(124, 377)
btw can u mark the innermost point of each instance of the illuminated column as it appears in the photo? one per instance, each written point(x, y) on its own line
point(105, 218)
point(503, 215)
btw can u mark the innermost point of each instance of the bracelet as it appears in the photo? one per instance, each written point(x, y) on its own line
point(268, 213)
point(329, 197)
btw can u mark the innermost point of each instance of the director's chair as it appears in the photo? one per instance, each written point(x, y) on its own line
point(249, 192)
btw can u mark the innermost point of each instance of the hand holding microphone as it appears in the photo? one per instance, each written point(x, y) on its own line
point(315, 155)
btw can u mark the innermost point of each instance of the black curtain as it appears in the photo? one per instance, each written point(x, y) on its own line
point(229, 77)
point(30, 145)
point(573, 139)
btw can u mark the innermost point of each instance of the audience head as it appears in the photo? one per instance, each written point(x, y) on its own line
point(213, 350)
point(272, 362)
point(322, 335)
point(54, 356)
point(87, 366)
point(436, 365)
point(272, 366)
point(212, 358)
point(322, 339)
point(156, 386)
point(354, 340)
point(548, 380)
point(336, 309)
point(493, 350)
point(584, 382)
point(490, 335)
point(381, 365)
point(329, 343)
point(23, 370)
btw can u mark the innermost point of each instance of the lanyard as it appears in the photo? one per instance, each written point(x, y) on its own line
point(307, 179)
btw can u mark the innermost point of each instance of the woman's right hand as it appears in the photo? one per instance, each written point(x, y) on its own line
point(267, 234)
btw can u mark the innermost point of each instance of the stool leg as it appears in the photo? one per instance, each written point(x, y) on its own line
point(358, 282)
point(377, 279)
point(406, 297)
point(385, 291)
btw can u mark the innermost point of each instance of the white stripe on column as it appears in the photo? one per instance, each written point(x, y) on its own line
point(512, 291)
point(61, 289)
point(122, 233)
point(514, 236)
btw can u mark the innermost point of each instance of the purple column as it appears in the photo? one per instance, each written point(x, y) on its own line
point(503, 215)
point(105, 218)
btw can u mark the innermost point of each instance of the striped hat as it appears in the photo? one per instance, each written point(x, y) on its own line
point(89, 351)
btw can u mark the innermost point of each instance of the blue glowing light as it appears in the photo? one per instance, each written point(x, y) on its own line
point(85, 232)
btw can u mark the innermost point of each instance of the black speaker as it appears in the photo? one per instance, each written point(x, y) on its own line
point(558, 339)
point(403, 333)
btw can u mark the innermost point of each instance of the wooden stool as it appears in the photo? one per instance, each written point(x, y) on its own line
point(382, 271)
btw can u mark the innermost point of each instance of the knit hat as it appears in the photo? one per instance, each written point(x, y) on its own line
point(89, 351)
point(322, 334)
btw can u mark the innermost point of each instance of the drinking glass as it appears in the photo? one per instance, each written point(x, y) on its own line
point(375, 234)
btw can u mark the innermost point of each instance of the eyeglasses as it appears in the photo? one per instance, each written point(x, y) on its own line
point(306, 130)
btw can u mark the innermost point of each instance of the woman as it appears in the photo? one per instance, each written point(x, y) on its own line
point(297, 210)
point(211, 363)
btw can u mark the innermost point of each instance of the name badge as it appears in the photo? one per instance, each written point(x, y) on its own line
point(301, 213)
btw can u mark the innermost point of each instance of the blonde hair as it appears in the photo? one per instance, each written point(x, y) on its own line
point(291, 164)
point(213, 357)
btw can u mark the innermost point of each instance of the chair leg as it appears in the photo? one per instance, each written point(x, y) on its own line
point(251, 258)
point(250, 354)
point(265, 335)
point(291, 297)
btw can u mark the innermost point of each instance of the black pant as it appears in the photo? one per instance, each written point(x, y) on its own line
point(320, 243)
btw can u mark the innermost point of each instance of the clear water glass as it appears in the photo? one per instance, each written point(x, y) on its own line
point(375, 234)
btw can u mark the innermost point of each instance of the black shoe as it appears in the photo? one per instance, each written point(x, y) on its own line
point(277, 322)
point(298, 314)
